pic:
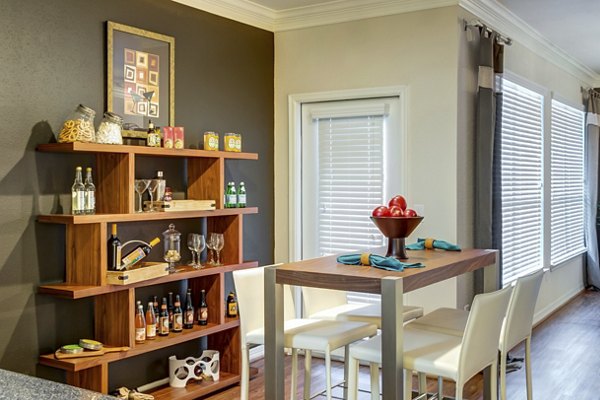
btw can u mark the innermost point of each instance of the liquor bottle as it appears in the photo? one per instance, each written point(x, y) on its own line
point(160, 184)
point(114, 250)
point(231, 306)
point(140, 324)
point(241, 197)
point(170, 308)
point(164, 319)
point(231, 196)
point(138, 253)
point(202, 309)
point(155, 304)
point(150, 322)
point(90, 192)
point(78, 194)
point(188, 316)
point(177, 315)
point(152, 137)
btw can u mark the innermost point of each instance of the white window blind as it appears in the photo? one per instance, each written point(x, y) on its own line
point(350, 173)
point(567, 191)
point(522, 177)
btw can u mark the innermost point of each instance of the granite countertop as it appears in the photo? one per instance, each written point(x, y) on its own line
point(15, 386)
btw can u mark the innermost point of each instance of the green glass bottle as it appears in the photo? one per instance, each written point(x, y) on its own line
point(241, 196)
point(231, 196)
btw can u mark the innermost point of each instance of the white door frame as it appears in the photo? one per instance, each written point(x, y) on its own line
point(295, 102)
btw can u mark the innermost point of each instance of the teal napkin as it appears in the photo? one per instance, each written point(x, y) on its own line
point(387, 263)
point(437, 244)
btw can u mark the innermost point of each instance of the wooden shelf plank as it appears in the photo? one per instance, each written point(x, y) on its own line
point(195, 390)
point(141, 150)
point(68, 291)
point(79, 364)
point(146, 216)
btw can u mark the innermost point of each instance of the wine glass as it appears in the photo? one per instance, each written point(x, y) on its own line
point(218, 243)
point(211, 250)
point(192, 239)
point(153, 185)
point(141, 185)
point(199, 245)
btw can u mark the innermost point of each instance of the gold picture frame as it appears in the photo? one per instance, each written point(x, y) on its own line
point(138, 87)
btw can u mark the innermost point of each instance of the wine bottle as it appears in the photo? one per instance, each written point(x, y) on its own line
point(188, 318)
point(202, 309)
point(170, 308)
point(231, 306)
point(155, 304)
point(114, 250)
point(150, 322)
point(164, 319)
point(177, 315)
point(138, 253)
point(90, 193)
point(140, 324)
point(78, 194)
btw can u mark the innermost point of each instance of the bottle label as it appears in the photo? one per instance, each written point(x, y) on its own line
point(202, 314)
point(164, 325)
point(140, 334)
point(232, 309)
point(241, 199)
point(232, 199)
point(189, 317)
point(90, 200)
point(133, 257)
point(77, 201)
point(150, 330)
point(177, 322)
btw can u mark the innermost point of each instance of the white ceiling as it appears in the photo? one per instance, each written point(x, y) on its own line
point(280, 5)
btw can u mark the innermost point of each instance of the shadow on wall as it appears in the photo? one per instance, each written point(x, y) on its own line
point(32, 253)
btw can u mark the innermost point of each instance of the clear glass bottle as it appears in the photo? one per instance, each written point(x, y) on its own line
point(140, 323)
point(90, 193)
point(241, 195)
point(109, 131)
point(79, 126)
point(172, 246)
point(78, 194)
point(153, 137)
point(161, 185)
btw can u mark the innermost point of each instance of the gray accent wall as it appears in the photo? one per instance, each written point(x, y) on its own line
point(53, 58)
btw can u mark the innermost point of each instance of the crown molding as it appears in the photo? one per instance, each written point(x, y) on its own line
point(242, 11)
point(349, 10)
point(507, 23)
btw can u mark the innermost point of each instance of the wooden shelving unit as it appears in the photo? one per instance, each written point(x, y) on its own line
point(114, 306)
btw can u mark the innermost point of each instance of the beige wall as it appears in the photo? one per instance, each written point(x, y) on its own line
point(426, 51)
point(417, 50)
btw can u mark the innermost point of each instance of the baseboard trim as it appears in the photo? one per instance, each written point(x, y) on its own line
point(553, 307)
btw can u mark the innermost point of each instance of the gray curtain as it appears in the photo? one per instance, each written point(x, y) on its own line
point(591, 187)
point(487, 147)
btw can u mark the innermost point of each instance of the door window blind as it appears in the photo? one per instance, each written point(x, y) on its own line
point(521, 182)
point(350, 173)
point(567, 190)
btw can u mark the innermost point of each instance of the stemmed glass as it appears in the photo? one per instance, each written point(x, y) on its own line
point(153, 185)
point(211, 250)
point(196, 244)
point(141, 185)
point(218, 241)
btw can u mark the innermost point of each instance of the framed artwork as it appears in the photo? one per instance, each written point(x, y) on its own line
point(141, 77)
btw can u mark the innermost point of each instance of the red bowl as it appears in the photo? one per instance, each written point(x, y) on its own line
point(396, 227)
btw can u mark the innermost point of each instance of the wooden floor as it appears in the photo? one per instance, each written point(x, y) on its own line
point(565, 352)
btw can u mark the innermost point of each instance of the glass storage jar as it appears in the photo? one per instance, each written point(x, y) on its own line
point(172, 245)
point(79, 127)
point(109, 131)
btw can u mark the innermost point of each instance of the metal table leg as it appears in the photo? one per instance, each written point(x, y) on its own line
point(392, 338)
point(274, 357)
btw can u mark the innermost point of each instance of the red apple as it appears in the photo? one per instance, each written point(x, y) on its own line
point(398, 201)
point(396, 212)
point(409, 212)
point(381, 211)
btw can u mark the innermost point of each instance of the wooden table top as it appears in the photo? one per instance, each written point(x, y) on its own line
point(326, 272)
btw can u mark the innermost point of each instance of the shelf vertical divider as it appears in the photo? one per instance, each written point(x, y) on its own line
point(228, 344)
point(95, 378)
point(206, 179)
point(115, 176)
point(114, 318)
point(231, 226)
point(86, 257)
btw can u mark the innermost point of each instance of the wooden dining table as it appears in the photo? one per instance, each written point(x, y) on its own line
point(327, 273)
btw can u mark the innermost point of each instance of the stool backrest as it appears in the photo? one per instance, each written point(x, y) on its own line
point(482, 333)
point(519, 317)
point(250, 290)
point(316, 300)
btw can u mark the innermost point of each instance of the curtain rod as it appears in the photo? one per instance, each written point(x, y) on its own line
point(478, 24)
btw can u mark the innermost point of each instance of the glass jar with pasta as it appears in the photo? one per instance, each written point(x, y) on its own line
point(79, 127)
